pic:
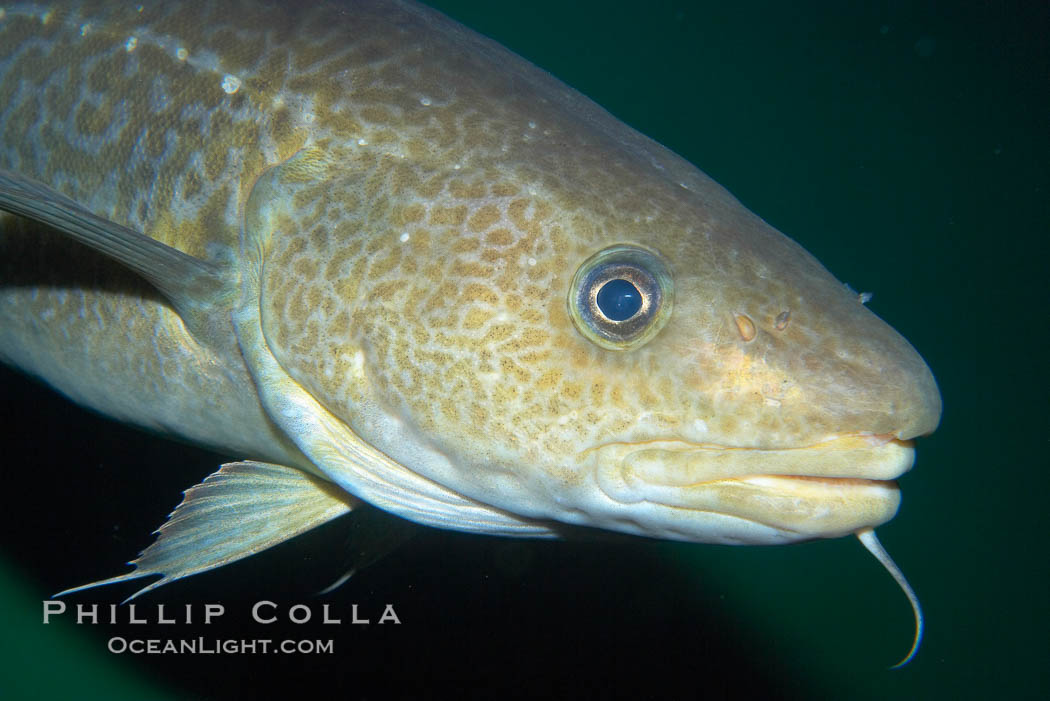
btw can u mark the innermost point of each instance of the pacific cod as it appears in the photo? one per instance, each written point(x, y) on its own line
point(379, 257)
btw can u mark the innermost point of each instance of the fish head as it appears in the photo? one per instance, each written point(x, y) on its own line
point(634, 351)
point(502, 289)
point(769, 404)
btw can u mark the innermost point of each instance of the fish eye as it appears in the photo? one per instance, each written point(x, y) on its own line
point(621, 296)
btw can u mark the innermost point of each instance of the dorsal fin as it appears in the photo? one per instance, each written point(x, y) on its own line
point(189, 283)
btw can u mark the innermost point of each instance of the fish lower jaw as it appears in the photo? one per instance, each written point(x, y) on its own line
point(821, 507)
point(709, 494)
point(760, 510)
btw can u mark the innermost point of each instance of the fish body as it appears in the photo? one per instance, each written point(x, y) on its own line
point(379, 257)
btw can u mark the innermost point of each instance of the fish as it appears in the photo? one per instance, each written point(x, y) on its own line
point(380, 259)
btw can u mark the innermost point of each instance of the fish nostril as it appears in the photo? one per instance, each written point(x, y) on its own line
point(745, 326)
point(781, 322)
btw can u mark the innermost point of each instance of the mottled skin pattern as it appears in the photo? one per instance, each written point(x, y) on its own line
point(99, 103)
point(434, 197)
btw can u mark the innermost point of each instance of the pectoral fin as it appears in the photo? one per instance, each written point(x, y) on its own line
point(191, 285)
point(242, 509)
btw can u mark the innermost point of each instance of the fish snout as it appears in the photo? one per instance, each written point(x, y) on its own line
point(920, 401)
point(897, 384)
point(861, 376)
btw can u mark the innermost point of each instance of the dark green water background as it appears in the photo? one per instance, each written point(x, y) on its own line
point(906, 146)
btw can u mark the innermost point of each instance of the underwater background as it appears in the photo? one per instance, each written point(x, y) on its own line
point(906, 146)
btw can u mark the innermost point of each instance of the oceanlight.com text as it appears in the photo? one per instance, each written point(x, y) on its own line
point(217, 646)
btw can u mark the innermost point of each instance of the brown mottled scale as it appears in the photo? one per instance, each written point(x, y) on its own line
point(433, 196)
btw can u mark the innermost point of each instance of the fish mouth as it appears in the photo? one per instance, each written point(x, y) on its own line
point(823, 490)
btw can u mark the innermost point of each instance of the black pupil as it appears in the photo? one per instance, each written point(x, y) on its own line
point(619, 300)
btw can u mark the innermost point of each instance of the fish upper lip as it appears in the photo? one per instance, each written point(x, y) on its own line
point(854, 457)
